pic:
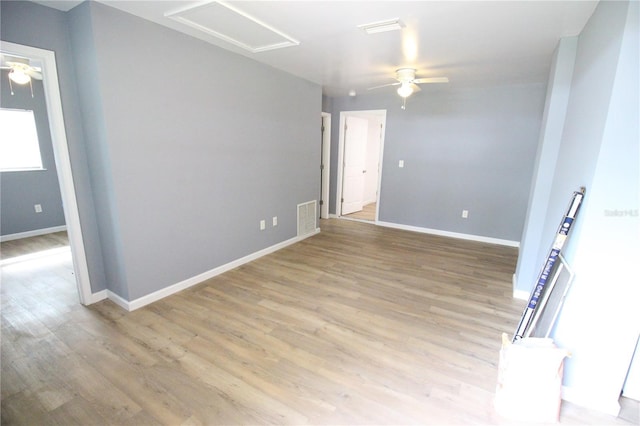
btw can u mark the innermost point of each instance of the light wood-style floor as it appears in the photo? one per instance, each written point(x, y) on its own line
point(368, 213)
point(25, 246)
point(357, 325)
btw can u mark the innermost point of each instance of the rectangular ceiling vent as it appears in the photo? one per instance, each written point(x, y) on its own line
point(307, 218)
point(232, 25)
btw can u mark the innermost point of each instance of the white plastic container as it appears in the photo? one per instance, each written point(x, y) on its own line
point(530, 380)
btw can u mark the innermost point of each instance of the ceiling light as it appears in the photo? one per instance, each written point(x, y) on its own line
point(405, 90)
point(18, 76)
point(382, 26)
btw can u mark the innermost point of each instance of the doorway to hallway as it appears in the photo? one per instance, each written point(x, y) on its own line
point(360, 149)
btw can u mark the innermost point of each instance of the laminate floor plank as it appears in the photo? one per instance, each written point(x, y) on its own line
point(357, 325)
point(25, 246)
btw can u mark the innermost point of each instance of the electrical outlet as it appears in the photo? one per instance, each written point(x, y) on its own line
point(37, 208)
point(401, 163)
point(465, 214)
point(275, 221)
point(263, 225)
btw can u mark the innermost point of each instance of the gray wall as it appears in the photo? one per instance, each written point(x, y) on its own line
point(33, 25)
point(20, 191)
point(188, 165)
point(94, 127)
point(172, 175)
point(599, 150)
point(534, 240)
point(463, 148)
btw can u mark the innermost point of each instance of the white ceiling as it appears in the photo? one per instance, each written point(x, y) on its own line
point(471, 42)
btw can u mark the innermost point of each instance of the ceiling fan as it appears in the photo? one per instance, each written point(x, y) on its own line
point(21, 71)
point(409, 83)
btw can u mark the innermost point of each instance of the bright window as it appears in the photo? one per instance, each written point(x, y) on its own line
point(19, 146)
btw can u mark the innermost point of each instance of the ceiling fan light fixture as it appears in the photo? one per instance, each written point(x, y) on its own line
point(18, 76)
point(405, 90)
point(382, 26)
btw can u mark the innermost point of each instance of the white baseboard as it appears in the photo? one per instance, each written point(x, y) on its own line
point(189, 282)
point(33, 233)
point(470, 237)
point(97, 297)
point(519, 294)
point(333, 216)
point(590, 401)
point(119, 301)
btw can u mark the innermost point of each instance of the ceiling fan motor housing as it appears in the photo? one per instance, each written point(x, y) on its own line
point(406, 75)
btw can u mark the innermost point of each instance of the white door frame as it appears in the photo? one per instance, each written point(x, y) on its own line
point(63, 163)
point(381, 113)
point(325, 161)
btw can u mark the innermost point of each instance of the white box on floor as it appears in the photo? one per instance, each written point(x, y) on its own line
point(530, 380)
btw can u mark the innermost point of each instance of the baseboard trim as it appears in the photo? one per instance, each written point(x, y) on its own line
point(124, 304)
point(518, 294)
point(33, 233)
point(521, 294)
point(592, 402)
point(97, 297)
point(189, 282)
point(461, 236)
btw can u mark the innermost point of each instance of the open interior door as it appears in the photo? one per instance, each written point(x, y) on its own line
point(355, 149)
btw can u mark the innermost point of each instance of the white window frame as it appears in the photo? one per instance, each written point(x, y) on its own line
point(11, 139)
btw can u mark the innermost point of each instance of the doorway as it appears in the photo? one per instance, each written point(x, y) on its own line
point(360, 148)
point(46, 60)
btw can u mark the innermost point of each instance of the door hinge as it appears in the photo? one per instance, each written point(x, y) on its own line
point(321, 166)
point(342, 200)
point(321, 202)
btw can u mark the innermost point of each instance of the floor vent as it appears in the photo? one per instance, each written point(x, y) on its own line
point(307, 218)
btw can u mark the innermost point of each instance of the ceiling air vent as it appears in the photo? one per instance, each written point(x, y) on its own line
point(232, 25)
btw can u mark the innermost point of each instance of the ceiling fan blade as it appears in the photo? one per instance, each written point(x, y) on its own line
point(431, 80)
point(415, 87)
point(14, 59)
point(384, 85)
point(34, 74)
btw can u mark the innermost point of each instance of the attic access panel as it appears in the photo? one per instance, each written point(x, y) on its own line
point(230, 24)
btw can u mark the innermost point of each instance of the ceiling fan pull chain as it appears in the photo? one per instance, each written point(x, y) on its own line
point(11, 87)
point(31, 86)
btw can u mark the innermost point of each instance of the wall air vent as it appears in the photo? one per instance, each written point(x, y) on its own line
point(232, 25)
point(307, 218)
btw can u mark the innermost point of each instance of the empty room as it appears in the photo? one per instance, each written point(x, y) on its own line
point(318, 212)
